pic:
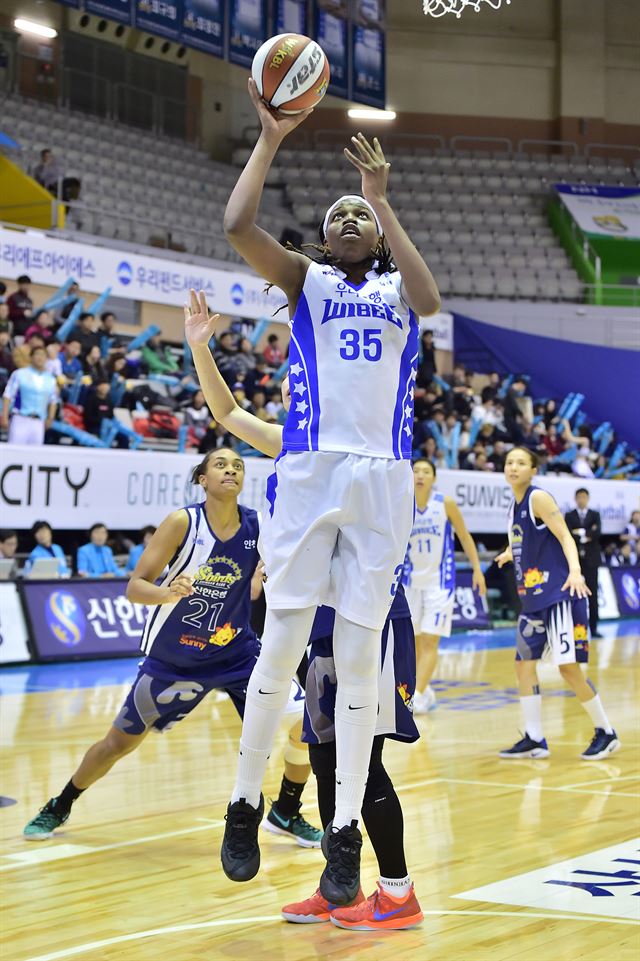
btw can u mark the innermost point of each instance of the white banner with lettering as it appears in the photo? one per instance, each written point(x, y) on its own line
point(74, 487)
point(48, 259)
point(605, 210)
point(13, 629)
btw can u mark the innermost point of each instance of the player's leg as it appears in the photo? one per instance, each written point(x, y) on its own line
point(531, 638)
point(426, 660)
point(284, 816)
point(568, 639)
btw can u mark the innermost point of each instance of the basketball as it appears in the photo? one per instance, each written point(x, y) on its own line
point(291, 72)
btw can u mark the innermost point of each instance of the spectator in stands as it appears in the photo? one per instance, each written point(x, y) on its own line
point(93, 365)
point(43, 536)
point(54, 364)
point(427, 368)
point(631, 533)
point(245, 358)
point(136, 552)
point(273, 354)
point(274, 406)
point(7, 365)
point(623, 555)
point(74, 294)
point(487, 411)
point(481, 462)
point(3, 290)
point(97, 407)
point(42, 324)
point(96, 559)
point(85, 332)
point(31, 395)
point(157, 357)
point(225, 355)
point(498, 456)
point(258, 402)
point(70, 357)
point(197, 418)
point(8, 544)
point(20, 306)
point(5, 322)
point(22, 353)
point(513, 414)
point(48, 172)
point(216, 437)
point(553, 443)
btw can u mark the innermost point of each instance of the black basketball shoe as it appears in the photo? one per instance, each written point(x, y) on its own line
point(240, 852)
point(340, 881)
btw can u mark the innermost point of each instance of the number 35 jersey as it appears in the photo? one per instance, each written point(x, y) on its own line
point(352, 366)
point(212, 626)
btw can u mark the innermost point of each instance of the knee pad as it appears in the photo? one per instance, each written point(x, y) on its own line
point(297, 754)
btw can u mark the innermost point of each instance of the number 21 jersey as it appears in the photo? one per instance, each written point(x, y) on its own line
point(352, 366)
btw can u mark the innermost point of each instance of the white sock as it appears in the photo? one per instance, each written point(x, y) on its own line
point(396, 887)
point(251, 767)
point(597, 714)
point(532, 712)
point(349, 795)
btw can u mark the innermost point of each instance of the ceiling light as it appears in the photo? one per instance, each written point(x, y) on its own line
point(38, 29)
point(362, 113)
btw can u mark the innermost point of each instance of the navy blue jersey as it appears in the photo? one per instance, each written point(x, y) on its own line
point(540, 565)
point(211, 629)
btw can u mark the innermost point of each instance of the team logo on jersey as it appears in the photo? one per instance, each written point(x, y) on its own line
point(580, 632)
point(218, 572)
point(516, 534)
point(406, 695)
point(224, 635)
point(340, 310)
point(533, 577)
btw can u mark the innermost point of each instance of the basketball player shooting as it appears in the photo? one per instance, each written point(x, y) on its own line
point(340, 502)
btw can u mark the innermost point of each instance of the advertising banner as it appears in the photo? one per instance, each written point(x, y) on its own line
point(469, 609)
point(627, 584)
point(160, 17)
point(50, 260)
point(291, 16)
point(203, 25)
point(82, 618)
point(13, 629)
point(607, 600)
point(368, 83)
point(247, 29)
point(128, 489)
point(331, 34)
point(606, 211)
point(120, 10)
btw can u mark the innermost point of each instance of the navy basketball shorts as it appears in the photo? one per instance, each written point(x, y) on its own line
point(559, 632)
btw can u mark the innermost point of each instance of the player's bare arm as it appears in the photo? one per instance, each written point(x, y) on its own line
point(418, 285)
point(142, 588)
point(546, 509)
point(200, 327)
point(259, 249)
point(468, 544)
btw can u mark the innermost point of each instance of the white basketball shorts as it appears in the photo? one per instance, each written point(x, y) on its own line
point(431, 609)
point(335, 531)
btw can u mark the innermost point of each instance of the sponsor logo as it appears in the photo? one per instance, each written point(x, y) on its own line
point(188, 640)
point(516, 534)
point(286, 48)
point(65, 618)
point(39, 486)
point(218, 572)
point(611, 223)
point(125, 273)
point(237, 293)
point(406, 695)
point(630, 592)
point(340, 310)
point(306, 70)
point(580, 632)
point(223, 635)
point(534, 578)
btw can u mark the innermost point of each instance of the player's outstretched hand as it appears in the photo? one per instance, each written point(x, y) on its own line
point(576, 585)
point(181, 586)
point(478, 583)
point(199, 327)
point(374, 169)
point(275, 124)
point(504, 558)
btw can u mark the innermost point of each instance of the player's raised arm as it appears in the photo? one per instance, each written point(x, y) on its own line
point(418, 285)
point(164, 544)
point(260, 250)
point(550, 514)
point(199, 328)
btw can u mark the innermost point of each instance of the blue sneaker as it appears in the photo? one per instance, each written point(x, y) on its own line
point(527, 747)
point(601, 745)
point(295, 826)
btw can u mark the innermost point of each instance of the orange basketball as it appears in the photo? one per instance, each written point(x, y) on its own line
point(291, 72)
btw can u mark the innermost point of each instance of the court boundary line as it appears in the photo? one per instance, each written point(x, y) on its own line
point(204, 925)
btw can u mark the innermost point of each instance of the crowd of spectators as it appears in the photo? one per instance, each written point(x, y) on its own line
point(462, 420)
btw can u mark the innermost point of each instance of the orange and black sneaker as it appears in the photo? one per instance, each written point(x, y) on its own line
point(380, 912)
point(314, 910)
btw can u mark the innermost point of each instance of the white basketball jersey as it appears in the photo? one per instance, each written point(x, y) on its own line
point(352, 366)
point(430, 556)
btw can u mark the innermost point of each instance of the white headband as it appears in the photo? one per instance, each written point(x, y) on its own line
point(352, 198)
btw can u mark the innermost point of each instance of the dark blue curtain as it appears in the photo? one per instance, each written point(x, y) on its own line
point(608, 377)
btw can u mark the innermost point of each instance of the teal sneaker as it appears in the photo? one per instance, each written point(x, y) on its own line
point(42, 826)
point(295, 826)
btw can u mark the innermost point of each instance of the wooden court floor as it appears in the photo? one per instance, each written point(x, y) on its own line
point(135, 874)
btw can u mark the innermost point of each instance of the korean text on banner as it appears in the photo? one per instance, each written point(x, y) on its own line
point(606, 211)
